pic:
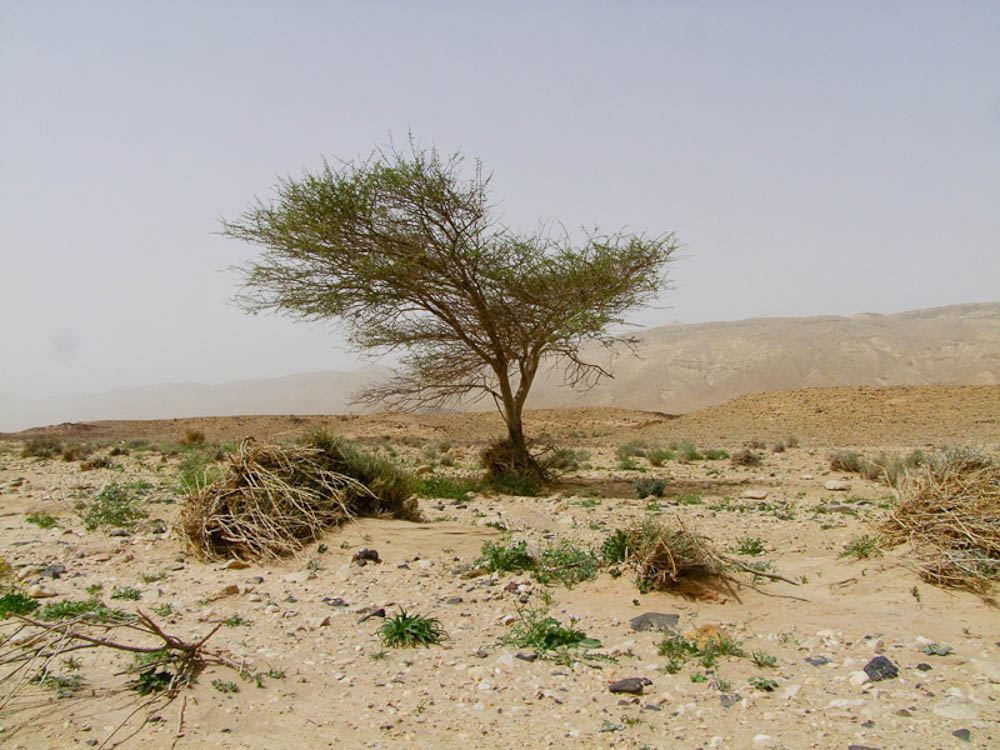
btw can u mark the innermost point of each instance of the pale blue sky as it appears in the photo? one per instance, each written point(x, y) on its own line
point(814, 157)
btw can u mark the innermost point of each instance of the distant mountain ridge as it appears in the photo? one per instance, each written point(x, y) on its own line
point(681, 368)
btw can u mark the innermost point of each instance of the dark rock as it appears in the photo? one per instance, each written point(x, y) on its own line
point(651, 707)
point(924, 667)
point(730, 699)
point(377, 613)
point(158, 526)
point(290, 599)
point(862, 747)
point(655, 621)
point(881, 668)
point(632, 685)
point(525, 657)
point(366, 555)
point(454, 600)
point(524, 598)
point(255, 580)
point(868, 724)
point(903, 712)
point(118, 532)
point(53, 571)
point(818, 661)
point(963, 734)
point(482, 653)
point(403, 566)
point(335, 601)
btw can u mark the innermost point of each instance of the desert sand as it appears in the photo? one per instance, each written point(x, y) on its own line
point(340, 687)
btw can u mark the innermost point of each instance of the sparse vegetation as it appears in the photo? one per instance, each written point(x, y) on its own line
point(746, 457)
point(42, 446)
point(546, 636)
point(41, 520)
point(404, 630)
point(115, 505)
point(861, 548)
point(647, 486)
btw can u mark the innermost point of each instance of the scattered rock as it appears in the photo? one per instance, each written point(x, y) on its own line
point(321, 622)
point(754, 495)
point(453, 600)
point(235, 564)
point(37, 592)
point(963, 734)
point(837, 485)
point(366, 555)
point(380, 612)
point(53, 571)
point(526, 657)
point(880, 668)
point(924, 667)
point(118, 532)
point(859, 678)
point(335, 601)
point(634, 685)
point(230, 590)
point(730, 699)
point(655, 621)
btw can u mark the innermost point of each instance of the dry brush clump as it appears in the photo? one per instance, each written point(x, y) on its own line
point(949, 512)
point(273, 499)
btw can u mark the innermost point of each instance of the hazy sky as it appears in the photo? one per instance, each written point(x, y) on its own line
point(814, 157)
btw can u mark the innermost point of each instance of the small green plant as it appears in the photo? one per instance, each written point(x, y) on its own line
point(615, 548)
point(915, 593)
point(518, 484)
point(225, 687)
point(404, 630)
point(65, 687)
point(378, 655)
point(16, 603)
point(628, 464)
point(657, 456)
point(677, 647)
point(115, 505)
point(646, 486)
point(163, 610)
point(861, 548)
point(689, 500)
point(566, 563)
point(544, 634)
point(91, 608)
point(275, 674)
point(697, 677)
point(752, 546)
point(566, 459)
point(688, 451)
point(631, 449)
point(127, 593)
point(723, 686)
point(236, 621)
point(153, 577)
point(763, 684)
point(95, 589)
point(41, 520)
point(760, 659)
point(451, 488)
point(505, 558)
point(716, 454)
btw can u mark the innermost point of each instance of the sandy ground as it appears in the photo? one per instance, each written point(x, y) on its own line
point(341, 688)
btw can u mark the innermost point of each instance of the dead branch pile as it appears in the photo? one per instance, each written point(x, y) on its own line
point(271, 501)
point(950, 514)
point(665, 558)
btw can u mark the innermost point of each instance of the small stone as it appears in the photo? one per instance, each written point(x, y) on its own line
point(256, 580)
point(525, 657)
point(366, 555)
point(321, 622)
point(335, 601)
point(730, 699)
point(53, 571)
point(633, 685)
point(37, 592)
point(655, 621)
point(118, 532)
point(817, 661)
point(376, 613)
point(754, 495)
point(862, 747)
point(235, 564)
point(837, 485)
point(881, 668)
point(924, 667)
point(230, 590)
point(762, 740)
point(425, 564)
point(963, 734)
point(454, 600)
point(858, 678)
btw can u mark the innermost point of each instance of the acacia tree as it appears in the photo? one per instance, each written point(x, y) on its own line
point(406, 252)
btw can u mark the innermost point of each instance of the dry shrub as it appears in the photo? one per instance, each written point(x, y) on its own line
point(272, 500)
point(666, 558)
point(949, 511)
